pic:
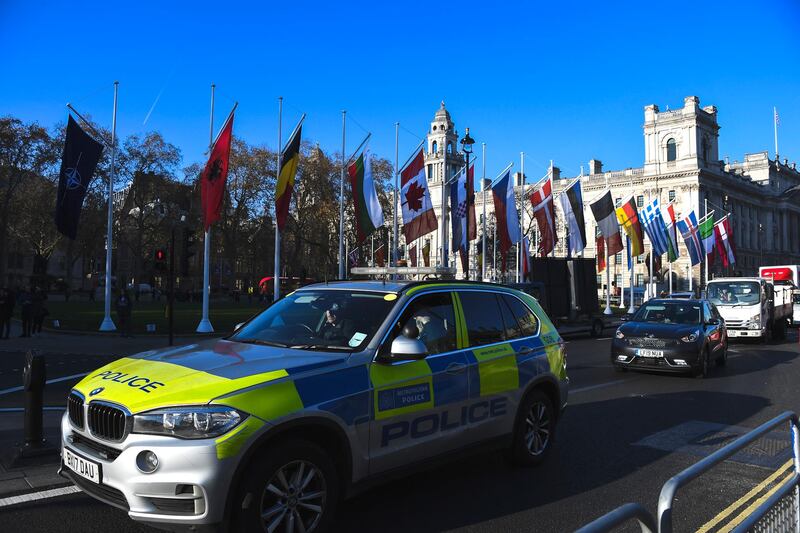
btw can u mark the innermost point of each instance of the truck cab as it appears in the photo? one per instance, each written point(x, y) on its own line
point(752, 307)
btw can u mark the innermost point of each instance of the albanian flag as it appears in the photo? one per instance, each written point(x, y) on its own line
point(215, 174)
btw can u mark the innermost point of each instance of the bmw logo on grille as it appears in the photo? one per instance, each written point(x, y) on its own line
point(96, 391)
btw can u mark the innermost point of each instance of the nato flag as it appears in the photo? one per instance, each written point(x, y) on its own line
point(81, 154)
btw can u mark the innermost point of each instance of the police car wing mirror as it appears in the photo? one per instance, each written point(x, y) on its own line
point(407, 347)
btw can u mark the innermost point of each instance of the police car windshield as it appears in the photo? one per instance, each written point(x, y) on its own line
point(324, 319)
point(669, 313)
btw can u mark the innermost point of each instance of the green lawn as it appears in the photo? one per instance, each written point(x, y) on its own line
point(87, 316)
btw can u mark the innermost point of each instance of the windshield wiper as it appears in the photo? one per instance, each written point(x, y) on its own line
point(320, 347)
point(262, 342)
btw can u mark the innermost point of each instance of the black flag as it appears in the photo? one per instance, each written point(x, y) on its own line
point(81, 154)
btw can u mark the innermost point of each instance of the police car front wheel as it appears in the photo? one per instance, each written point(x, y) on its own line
point(292, 486)
point(535, 429)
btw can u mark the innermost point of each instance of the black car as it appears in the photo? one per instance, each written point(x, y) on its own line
point(671, 335)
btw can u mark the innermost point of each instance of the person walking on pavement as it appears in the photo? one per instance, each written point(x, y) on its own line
point(26, 308)
point(5, 313)
point(124, 308)
point(39, 310)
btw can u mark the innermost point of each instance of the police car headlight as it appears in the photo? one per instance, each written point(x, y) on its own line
point(202, 422)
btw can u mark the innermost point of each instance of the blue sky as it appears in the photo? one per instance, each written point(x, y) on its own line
point(564, 80)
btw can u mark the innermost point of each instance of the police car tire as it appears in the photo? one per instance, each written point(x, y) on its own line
point(267, 464)
point(519, 453)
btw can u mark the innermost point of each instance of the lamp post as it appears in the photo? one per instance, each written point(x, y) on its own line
point(466, 144)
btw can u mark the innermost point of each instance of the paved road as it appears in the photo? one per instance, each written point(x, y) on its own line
point(621, 438)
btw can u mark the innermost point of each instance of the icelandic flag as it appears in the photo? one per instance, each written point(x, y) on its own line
point(505, 210)
point(688, 228)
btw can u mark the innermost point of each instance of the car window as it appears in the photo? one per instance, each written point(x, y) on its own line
point(512, 329)
point(528, 322)
point(482, 314)
point(435, 319)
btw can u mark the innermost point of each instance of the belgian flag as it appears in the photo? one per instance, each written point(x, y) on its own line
point(290, 157)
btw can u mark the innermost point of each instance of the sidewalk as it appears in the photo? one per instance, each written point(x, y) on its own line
point(33, 474)
point(51, 342)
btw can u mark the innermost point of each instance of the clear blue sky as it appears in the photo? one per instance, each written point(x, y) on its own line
point(559, 80)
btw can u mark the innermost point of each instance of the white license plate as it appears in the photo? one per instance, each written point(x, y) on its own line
point(87, 469)
point(641, 352)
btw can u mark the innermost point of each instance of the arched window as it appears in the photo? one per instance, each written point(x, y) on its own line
point(672, 150)
point(434, 147)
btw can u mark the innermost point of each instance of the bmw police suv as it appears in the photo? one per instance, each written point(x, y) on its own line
point(335, 385)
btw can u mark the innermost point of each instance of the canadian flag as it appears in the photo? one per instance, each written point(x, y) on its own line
point(418, 216)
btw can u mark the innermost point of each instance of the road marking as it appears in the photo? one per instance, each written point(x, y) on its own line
point(753, 506)
point(49, 381)
point(41, 495)
point(744, 499)
point(22, 409)
point(598, 386)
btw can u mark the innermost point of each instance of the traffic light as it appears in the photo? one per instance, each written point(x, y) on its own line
point(160, 257)
point(187, 250)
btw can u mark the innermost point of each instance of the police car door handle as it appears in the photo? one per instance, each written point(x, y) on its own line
point(455, 368)
point(525, 350)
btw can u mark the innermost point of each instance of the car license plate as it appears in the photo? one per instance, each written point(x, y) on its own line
point(649, 353)
point(84, 468)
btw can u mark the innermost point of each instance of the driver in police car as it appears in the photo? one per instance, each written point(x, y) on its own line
point(336, 328)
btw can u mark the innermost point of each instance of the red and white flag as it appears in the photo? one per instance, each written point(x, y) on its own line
point(418, 216)
point(724, 241)
point(545, 214)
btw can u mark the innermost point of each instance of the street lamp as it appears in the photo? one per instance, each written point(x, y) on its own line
point(466, 144)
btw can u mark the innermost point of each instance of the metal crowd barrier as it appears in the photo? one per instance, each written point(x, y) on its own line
point(778, 513)
point(619, 516)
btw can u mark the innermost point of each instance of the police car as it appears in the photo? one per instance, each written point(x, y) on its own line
point(333, 387)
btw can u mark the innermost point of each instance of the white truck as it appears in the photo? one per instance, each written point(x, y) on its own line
point(753, 307)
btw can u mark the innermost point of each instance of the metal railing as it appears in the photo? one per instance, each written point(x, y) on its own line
point(670, 488)
point(619, 516)
point(780, 512)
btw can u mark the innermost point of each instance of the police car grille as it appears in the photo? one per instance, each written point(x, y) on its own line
point(106, 422)
point(646, 342)
point(75, 409)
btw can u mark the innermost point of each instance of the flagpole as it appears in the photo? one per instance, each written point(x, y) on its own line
point(443, 243)
point(108, 324)
point(607, 310)
point(775, 125)
point(276, 269)
point(205, 324)
point(631, 308)
point(705, 253)
point(483, 223)
point(341, 199)
point(395, 192)
point(521, 219)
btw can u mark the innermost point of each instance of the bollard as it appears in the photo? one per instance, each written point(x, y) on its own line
point(34, 379)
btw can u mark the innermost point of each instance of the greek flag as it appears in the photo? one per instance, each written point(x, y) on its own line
point(654, 227)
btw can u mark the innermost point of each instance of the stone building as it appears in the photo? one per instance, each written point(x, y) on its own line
point(681, 165)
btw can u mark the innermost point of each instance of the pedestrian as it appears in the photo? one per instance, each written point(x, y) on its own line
point(37, 311)
point(8, 312)
point(124, 308)
point(26, 310)
point(40, 312)
point(5, 317)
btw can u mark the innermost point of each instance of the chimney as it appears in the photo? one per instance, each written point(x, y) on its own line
point(556, 173)
point(595, 166)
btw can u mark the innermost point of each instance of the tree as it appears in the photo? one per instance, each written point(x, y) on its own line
point(25, 153)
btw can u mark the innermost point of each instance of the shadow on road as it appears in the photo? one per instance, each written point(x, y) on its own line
point(594, 448)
